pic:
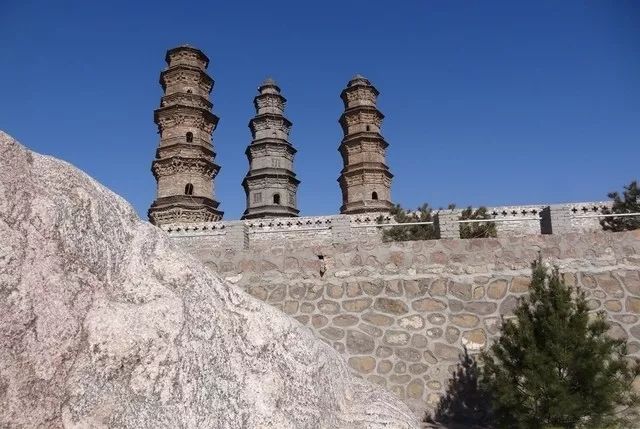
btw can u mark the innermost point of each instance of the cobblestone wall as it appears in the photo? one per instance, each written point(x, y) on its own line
point(401, 312)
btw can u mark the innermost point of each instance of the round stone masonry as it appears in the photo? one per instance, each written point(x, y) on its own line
point(406, 329)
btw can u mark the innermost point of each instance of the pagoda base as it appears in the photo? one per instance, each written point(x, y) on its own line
point(270, 211)
point(181, 209)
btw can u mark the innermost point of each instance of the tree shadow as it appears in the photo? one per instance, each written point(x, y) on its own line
point(465, 404)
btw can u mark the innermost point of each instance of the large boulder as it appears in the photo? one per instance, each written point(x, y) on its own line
point(105, 323)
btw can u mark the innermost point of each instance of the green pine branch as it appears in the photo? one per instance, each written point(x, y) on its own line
point(628, 202)
point(554, 364)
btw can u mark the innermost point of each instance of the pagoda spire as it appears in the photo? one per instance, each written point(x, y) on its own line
point(365, 179)
point(184, 167)
point(270, 185)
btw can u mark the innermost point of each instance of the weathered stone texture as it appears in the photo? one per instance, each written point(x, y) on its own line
point(104, 322)
point(422, 309)
point(184, 167)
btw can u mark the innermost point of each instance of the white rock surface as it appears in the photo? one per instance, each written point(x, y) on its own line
point(105, 323)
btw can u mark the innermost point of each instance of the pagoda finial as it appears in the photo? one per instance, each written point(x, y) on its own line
point(358, 78)
point(268, 81)
point(269, 86)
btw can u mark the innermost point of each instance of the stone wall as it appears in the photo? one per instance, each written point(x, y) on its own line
point(401, 312)
point(510, 221)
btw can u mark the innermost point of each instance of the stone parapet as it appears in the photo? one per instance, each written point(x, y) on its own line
point(577, 216)
point(520, 220)
point(510, 221)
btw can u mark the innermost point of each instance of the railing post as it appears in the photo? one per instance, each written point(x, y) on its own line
point(237, 236)
point(341, 228)
point(546, 226)
point(560, 218)
point(447, 224)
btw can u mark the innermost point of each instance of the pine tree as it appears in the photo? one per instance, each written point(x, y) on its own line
point(629, 204)
point(554, 364)
point(410, 232)
point(480, 229)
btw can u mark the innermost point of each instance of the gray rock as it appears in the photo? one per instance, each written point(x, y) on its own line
point(446, 352)
point(345, 320)
point(391, 306)
point(105, 323)
point(359, 343)
point(332, 333)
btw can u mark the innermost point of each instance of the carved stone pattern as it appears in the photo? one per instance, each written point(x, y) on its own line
point(261, 124)
point(255, 183)
point(181, 118)
point(354, 180)
point(178, 215)
point(353, 118)
point(269, 100)
point(180, 165)
point(368, 146)
point(373, 177)
point(190, 77)
point(373, 146)
point(272, 150)
point(185, 57)
point(361, 94)
point(185, 100)
point(359, 179)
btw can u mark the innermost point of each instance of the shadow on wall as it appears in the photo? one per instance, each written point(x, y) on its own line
point(464, 405)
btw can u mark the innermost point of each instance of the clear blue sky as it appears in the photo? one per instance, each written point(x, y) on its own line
point(486, 103)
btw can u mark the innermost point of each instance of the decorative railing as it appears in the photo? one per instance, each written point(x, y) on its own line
point(288, 224)
point(508, 220)
point(195, 229)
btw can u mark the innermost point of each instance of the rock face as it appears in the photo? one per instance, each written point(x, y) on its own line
point(105, 323)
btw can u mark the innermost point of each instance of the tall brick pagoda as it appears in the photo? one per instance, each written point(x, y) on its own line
point(184, 168)
point(365, 179)
point(270, 185)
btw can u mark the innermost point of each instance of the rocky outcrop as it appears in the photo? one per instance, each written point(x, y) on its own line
point(105, 323)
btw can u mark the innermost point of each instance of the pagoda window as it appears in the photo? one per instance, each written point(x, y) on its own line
point(189, 137)
point(374, 195)
point(276, 199)
point(188, 189)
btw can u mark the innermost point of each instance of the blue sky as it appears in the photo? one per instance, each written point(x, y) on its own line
point(486, 102)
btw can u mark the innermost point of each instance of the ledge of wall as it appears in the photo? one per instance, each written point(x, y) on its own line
point(510, 221)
